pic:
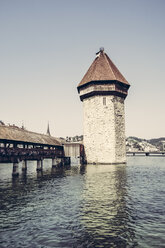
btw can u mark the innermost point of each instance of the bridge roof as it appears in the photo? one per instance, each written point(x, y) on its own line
point(20, 135)
point(102, 69)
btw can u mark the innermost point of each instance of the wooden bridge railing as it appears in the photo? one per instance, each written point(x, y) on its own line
point(14, 154)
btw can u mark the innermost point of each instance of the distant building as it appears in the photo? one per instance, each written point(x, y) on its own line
point(75, 151)
point(163, 146)
point(102, 91)
point(75, 138)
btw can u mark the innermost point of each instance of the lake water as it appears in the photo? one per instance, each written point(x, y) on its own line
point(92, 206)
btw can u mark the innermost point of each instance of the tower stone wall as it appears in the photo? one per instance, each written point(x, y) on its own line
point(104, 129)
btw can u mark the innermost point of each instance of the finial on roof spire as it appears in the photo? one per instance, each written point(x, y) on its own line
point(101, 49)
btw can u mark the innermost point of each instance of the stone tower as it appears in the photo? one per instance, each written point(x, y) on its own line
point(102, 91)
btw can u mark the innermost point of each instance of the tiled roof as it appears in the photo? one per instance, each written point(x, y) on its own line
point(102, 69)
point(19, 134)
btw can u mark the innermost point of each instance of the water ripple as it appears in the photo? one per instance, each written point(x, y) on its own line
point(92, 206)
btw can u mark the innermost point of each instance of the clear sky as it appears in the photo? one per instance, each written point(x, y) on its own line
point(46, 47)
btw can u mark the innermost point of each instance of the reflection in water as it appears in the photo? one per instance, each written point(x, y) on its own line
point(105, 213)
point(84, 206)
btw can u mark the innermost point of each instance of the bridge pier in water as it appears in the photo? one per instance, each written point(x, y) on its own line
point(39, 165)
point(15, 172)
point(57, 163)
point(24, 165)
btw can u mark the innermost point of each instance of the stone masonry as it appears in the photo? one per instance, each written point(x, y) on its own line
point(104, 125)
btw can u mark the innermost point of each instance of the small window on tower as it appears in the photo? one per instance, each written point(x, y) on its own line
point(104, 100)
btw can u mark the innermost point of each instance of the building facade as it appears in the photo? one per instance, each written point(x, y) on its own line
point(103, 90)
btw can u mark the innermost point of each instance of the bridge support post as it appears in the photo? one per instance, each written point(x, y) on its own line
point(15, 169)
point(24, 165)
point(53, 162)
point(39, 165)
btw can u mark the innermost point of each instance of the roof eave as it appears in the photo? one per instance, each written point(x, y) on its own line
point(103, 82)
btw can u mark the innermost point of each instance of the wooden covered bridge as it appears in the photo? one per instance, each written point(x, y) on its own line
point(17, 144)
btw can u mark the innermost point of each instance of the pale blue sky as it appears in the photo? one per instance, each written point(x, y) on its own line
point(46, 46)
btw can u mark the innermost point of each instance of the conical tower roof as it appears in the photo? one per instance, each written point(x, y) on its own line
point(102, 69)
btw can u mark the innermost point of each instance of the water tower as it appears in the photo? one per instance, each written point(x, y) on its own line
point(103, 90)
